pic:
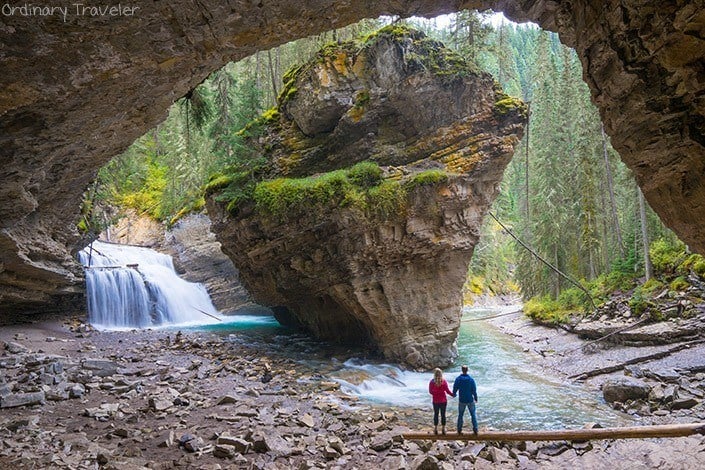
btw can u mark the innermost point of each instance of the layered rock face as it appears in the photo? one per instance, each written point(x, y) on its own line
point(342, 267)
point(77, 90)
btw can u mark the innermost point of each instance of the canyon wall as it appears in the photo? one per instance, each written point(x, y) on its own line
point(76, 91)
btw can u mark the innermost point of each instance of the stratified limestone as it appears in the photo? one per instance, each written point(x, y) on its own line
point(346, 271)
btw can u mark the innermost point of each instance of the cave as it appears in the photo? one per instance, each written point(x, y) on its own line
point(77, 90)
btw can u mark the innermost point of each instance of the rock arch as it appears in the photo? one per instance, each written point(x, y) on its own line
point(75, 90)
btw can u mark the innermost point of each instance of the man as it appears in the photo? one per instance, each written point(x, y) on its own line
point(468, 397)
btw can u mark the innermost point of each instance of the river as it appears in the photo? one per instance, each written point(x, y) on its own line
point(514, 391)
point(135, 287)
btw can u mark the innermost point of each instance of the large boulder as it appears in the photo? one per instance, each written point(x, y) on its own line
point(358, 257)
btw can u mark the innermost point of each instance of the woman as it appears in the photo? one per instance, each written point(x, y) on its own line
point(438, 388)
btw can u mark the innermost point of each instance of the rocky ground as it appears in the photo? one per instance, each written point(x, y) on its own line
point(75, 398)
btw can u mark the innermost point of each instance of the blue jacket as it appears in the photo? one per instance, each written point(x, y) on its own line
point(466, 385)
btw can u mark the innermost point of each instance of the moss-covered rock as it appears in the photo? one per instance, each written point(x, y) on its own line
point(381, 161)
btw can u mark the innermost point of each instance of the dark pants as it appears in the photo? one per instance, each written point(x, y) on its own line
point(442, 408)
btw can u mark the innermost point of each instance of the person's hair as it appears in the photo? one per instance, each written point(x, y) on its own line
point(464, 369)
point(438, 376)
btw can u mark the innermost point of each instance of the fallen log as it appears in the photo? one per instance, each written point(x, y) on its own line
point(636, 360)
point(585, 434)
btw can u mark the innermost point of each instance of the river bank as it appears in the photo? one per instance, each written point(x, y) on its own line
point(159, 399)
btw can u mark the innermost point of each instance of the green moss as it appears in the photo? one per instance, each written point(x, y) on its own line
point(386, 200)
point(667, 255)
point(651, 286)
point(270, 115)
point(699, 267)
point(428, 177)
point(544, 310)
point(217, 182)
point(193, 206)
point(82, 225)
point(361, 186)
point(365, 174)
point(288, 81)
point(396, 31)
point(679, 284)
point(639, 302)
point(504, 103)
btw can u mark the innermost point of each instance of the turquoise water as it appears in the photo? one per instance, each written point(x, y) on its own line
point(514, 392)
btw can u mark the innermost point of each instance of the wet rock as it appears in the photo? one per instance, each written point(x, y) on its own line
point(624, 389)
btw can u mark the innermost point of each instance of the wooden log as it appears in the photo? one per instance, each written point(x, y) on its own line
point(585, 434)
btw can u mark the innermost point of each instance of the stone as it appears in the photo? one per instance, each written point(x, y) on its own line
point(160, 403)
point(224, 451)
point(623, 389)
point(307, 420)
point(381, 441)
point(425, 462)
point(663, 374)
point(166, 439)
point(15, 348)
point(100, 367)
point(364, 276)
point(14, 400)
point(240, 445)
point(227, 399)
point(397, 462)
point(498, 455)
point(684, 403)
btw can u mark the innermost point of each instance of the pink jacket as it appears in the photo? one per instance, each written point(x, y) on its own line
point(438, 392)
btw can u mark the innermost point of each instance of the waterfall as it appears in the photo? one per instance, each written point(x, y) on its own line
point(135, 287)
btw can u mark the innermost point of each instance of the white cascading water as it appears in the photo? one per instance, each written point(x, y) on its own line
point(135, 287)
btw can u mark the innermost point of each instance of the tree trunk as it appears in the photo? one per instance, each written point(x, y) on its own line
point(584, 434)
point(526, 162)
point(648, 268)
point(613, 200)
point(273, 77)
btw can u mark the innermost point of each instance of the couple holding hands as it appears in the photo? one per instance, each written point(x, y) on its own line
point(465, 385)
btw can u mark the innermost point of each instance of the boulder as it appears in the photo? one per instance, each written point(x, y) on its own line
point(363, 256)
point(623, 389)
